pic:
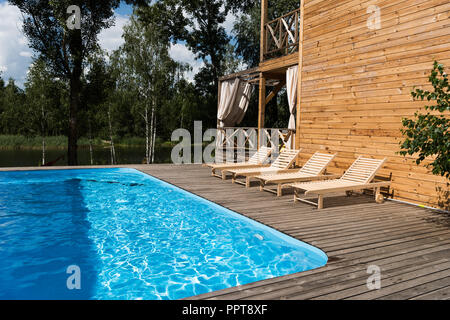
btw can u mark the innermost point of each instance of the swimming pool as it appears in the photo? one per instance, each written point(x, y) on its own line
point(132, 237)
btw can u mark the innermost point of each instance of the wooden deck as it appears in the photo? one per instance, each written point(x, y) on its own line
point(411, 245)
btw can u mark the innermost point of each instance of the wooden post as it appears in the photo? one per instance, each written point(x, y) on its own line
point(264, 15)
point(262, 106)
point(262, 80)
point(300, 68)
point(219, 91)
point(378, 196)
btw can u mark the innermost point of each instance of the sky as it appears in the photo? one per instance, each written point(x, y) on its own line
point(16, 56)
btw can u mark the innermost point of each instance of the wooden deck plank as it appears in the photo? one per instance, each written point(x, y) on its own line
point(439, 294)
point(411, 245)
point(441, 285)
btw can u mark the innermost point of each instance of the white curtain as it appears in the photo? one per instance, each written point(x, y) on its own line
point(243, 101)
point(233, 103)
point(291, 86)
point(234, 99)
point(228, 93)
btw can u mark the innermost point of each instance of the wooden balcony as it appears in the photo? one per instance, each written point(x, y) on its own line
point(281, 36)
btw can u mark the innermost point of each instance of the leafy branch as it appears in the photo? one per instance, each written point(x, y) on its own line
point(428, 135)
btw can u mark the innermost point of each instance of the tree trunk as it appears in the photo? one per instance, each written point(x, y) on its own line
point(76, 50)
point(43, 150)
point(75, 89)
point(154, 134)
point(113, 150)
point(147, 137)
point(43, 134)
point(91, 151)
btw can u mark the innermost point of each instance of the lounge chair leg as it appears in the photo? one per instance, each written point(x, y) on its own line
point(295, 195)
point(378, 196)
point(233, 178)
point(261, 185)
point(279, 190)
point(247, 182)
point(224, 175)
point(320, 202)
point(213, 172)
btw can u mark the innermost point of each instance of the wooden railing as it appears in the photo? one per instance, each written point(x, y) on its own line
point(236, 144)
point(282, 35)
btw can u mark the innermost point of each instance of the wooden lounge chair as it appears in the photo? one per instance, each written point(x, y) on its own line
point(358, 177)
point(284, 161)
point(312, 170)
point(257, 160)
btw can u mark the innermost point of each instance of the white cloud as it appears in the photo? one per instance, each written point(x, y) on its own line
point(111, 39)
point(26, 54)
point(15, 56)
point(181, 53)
point(229, 23)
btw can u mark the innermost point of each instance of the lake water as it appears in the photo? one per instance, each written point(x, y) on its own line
point(102, 156)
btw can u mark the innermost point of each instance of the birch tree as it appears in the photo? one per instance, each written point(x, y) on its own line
point(144, 66)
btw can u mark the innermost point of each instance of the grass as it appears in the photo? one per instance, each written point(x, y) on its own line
point(18, 142)
point(23, 142)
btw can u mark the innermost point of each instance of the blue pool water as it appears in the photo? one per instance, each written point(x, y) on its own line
point(132, 236)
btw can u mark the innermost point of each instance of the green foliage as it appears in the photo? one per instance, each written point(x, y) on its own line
point(46, 104)
point(198, 24)
point(12, 108)
point(21, 142)
point(428, 135)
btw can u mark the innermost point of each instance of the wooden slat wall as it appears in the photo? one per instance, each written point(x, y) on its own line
point(356, 85)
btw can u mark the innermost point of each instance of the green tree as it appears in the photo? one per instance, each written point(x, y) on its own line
point(428, 135)
point(183, 108)
point(12, 110)
point(144, 66)
point(2, 104)
point(44, 102)
point(65, 50)
point(98, 110)
point(200, 25)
